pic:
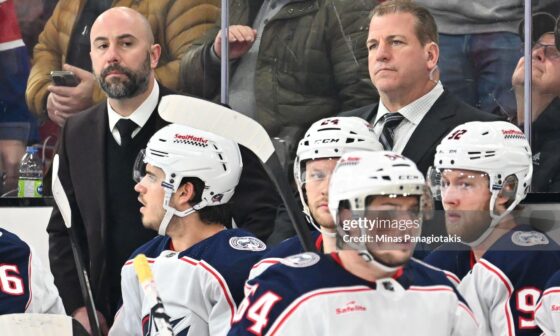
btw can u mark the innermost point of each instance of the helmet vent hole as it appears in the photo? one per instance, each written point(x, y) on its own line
point(452, 161)
point(485, 133)
point(336, 150)
point(350, 140)
point(386, 177)
point(490, 154)
point(223, 165)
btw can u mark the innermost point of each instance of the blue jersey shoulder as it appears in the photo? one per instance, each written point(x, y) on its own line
point(232, 253)
point(525, 253)
point(420, 273)
point(452, 257)
point(290, 246)
point(554, 280)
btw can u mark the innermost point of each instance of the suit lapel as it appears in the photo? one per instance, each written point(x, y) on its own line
point(431, 129)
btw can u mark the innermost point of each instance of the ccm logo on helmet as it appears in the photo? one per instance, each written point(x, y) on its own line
point(326, 141)
point(192, 138)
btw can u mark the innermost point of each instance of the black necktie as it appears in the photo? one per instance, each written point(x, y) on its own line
point(391, 121)
point(126, 127)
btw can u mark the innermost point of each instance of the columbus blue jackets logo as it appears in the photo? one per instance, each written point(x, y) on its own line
point(529, 238)
point(247, 244)
point(301, 260)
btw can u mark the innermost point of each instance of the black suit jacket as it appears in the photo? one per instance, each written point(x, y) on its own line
point(82, 152)
point(446, 113)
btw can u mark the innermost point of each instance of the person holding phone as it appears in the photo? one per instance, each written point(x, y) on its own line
point(64, 45)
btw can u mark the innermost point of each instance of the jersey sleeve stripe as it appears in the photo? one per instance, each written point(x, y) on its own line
point(551, 290)
point(486, 264)
point(431, 289)
point(469, 311)
point(218, 278)
point(272, 261)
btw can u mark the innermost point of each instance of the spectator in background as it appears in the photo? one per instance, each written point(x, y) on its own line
point(18, 126)
point(294, 62)
point(415, 111)
point(479, 48)
point(32, 16)
point(98, 148)
point(64, 44)
point(545, 131)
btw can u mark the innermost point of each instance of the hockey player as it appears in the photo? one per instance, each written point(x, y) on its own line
point(25, 285)
point(185, 179)
point(370, 286)
point(548, 308)
point(482, 171)
point(317, 154)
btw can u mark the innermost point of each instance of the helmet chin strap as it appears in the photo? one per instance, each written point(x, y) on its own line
point(318, 227)
point(496, 219)
point(171, 211)
point(368, 257)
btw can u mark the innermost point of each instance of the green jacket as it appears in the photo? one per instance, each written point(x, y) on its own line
point(312, 61)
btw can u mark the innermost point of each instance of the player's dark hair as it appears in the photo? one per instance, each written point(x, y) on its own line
point(217, 214)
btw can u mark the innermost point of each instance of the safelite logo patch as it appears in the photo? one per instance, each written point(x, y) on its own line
point(350, 307)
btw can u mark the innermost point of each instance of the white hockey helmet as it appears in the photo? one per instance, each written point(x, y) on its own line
point(359, 175)
point(182, 151)
point(498, 149)
point(331, 138)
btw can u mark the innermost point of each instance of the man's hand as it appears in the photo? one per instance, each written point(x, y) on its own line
point(241, 38)
point(81, 316)
point(63, 101)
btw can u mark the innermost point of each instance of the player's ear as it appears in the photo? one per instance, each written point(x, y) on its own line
point(186, 194)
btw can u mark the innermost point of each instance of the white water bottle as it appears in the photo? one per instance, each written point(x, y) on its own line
point(30, 183)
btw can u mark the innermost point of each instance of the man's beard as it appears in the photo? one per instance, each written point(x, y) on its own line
point(135, 84)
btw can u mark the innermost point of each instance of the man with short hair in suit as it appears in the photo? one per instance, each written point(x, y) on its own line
point(414, 112)
point(97, 152)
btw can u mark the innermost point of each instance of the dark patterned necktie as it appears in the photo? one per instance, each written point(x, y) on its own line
point(390, 121)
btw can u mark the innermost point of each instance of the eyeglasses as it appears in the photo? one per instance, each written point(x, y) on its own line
point(550, 50)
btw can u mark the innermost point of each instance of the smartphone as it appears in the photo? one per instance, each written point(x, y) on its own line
point(64, 78)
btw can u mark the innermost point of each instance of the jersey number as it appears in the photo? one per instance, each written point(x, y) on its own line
point(10, 283)
point(526, 302)
point(257, 312)
point(457, 134)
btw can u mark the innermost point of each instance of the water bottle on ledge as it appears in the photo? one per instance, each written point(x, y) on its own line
point(30, 183)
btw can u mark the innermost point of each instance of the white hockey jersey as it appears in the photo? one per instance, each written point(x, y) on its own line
point(548, 308)
point(313, 295)
point(503, 287)
point(25, 285)
point(199, 287)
